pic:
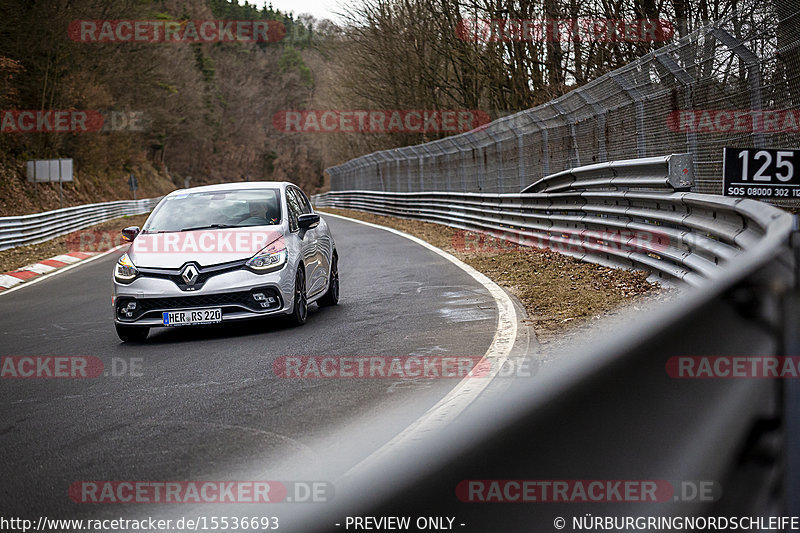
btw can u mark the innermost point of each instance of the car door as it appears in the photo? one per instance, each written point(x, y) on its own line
point(324, 245)
point(307, 238)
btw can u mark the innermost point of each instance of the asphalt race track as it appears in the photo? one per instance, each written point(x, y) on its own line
point(204, 402)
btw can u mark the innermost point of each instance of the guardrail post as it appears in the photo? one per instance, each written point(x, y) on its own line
point(408, 173)
point(521, 160)
point(480, 169)
point(397, 173)
point(636, 95)
point(474, 146)
point(498, 161)
point(575, 159)
point(435, 178)
point(545, 144)
point(600, 115)
point(753, 74)
point(687, 81)
point(380, 173)
point(516, 125)
point(451, 168)
point(420, 164)
point(463, 155)
point(447, 179)
point(498, 154)
point(421, 171)
point(357, 180)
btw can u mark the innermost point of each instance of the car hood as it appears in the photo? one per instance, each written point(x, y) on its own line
point(204, 247)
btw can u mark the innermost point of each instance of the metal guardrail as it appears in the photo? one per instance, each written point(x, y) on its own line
point(610, 410)
point(674, 172)
point(678, 236)
point(40, 227)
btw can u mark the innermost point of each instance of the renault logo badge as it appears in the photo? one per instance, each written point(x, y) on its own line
point(190, 274)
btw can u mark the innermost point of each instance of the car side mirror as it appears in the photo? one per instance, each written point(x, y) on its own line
point(308, 221)
point(130, 233)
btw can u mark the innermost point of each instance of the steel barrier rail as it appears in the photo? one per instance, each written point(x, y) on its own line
point(677, 236)
point(40, 227)
point(611, 410)
point(680, 236)
point(674, 172)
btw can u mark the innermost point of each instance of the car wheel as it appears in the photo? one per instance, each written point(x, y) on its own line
point(300, 308)
point(331, 296)
point(132, 333)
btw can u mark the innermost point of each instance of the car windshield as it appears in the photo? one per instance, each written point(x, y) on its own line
point(216, 209)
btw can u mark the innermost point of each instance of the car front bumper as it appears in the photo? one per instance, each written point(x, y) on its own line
point(233, 292)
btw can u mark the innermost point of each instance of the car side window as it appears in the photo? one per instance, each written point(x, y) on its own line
point(306, 205)
point(294, 208)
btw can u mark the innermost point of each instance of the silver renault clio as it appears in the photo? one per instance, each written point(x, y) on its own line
point(221, 253)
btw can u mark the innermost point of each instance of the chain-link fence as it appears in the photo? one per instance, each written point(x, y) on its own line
point(734, 83)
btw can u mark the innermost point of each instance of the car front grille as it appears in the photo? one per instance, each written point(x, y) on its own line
point(229, 302)
point(205, 300)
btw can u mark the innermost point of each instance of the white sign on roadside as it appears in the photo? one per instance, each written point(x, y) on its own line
point(50, 170)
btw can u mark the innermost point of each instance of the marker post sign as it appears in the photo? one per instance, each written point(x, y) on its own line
point(761, 173)
point(51, 170)
point(133, 184)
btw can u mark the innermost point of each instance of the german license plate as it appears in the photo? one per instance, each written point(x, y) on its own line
point(187, 317)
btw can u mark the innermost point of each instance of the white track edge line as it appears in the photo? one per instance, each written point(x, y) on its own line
point(469, 388)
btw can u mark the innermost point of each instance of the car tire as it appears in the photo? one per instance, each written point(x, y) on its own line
point(300, 307)
point(132, 333)
point(331, 296)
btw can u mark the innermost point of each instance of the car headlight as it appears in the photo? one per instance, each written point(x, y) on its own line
point(125, 271)
point(267, 260)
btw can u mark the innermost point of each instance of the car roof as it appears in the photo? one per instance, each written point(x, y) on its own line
point(238, 186)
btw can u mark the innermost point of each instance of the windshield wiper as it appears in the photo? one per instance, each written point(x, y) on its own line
point(211, 226)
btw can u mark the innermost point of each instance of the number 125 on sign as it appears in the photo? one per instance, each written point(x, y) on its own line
point(761, 172)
